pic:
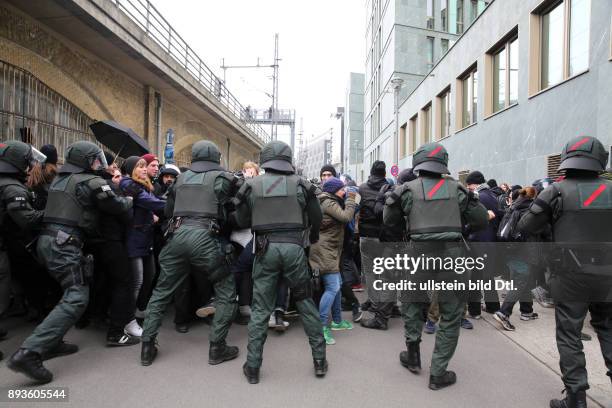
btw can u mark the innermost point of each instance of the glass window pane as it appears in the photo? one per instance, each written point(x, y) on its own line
point(499, 80)
point(474, 91)
point(430, 14)
point(459, 16)
point(579, 36)
point(467, 106)
point(514, 71)
point(444, 44)
point(444, 14)
point(552, 46)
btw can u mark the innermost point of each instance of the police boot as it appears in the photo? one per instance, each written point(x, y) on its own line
point(252, 374)
point(437, 382)
point(411, 359)
point(374, 323)
point(320, 367)
point(1, 356)
point(571, 400)
point(62, 349)
point(220, 352)
point(149, 352)
point(30, 363)
point(3, 333)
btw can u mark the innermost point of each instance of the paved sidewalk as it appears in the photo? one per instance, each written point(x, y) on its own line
point(537, 338)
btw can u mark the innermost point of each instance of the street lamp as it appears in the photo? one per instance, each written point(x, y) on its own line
point(396, 84)
point(340, 115)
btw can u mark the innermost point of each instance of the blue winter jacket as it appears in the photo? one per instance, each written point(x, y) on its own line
point(139, 237)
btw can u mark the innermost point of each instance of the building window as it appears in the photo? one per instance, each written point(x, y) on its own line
point(443, 110)
point(444, 14)
point(430, 14)
point(426, 124)
point(474, 10)
point(32, 112)
point(459, 16)
point(467, 98)
point(444, 45)
point(562, 48)
point(403, 140)
point(503, 87)
point(430, 53)
point(412, 134)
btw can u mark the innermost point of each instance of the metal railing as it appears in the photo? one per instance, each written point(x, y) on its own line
point(146, 16)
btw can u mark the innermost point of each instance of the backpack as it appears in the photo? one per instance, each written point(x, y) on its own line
point(507, 231)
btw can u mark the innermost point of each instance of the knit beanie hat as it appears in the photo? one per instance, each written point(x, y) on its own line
point(149, 158)
point(129, 164)
point(475, 177)
point(51, 152)
point(330, 168)
point(332, 185)
point(405, 176)
point(379, 168)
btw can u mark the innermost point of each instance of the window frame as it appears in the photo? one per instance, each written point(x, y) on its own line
point(413, 139)
point(502, 45)
point(426, 122)
point(440, 129)
point(468, 75)
point(536, 46)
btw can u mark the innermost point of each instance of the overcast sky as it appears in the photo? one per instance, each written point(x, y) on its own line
point(320, 43)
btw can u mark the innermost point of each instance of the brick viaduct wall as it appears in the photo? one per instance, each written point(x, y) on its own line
point(101, 91)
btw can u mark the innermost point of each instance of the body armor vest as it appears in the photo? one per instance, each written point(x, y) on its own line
point(435, 207)
point(275, 203)
point(586, 211)
point(195, 195)
point(65, 207)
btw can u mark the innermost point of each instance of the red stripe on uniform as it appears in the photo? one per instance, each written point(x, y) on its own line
point(594, 196)
point(273, 185)
point(435, 188)
point(578, 144)
point(434, 151)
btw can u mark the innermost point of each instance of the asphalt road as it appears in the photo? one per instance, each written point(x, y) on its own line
point(364, 372)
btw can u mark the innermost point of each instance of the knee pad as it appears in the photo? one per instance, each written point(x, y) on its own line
point(302, 291)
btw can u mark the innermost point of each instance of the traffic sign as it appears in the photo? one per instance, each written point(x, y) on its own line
point(394, 170)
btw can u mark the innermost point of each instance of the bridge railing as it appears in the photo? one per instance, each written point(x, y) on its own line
point(145, 15)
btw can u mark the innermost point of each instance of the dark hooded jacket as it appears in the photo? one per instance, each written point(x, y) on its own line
point(369, 223)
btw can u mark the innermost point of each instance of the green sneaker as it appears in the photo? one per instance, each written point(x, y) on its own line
point(343, 325)
point(329, 340)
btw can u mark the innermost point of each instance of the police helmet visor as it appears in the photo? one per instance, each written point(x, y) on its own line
point(98, 161)
point(36, 157)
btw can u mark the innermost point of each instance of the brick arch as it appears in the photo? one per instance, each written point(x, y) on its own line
point(55, 78)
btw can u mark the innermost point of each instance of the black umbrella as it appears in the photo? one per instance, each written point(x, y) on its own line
point(120, 139)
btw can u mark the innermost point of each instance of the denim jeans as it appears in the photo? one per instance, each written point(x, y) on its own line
point(331, 298)
point(522, 276)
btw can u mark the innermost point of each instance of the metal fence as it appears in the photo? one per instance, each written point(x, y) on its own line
point(32, 112)
point(146, 16)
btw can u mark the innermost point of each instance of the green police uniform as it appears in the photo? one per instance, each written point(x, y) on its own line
point(435, 208)
point(197, 201)
point(579, 210)
point(76, 196)
point(17, 217)
point(280, 207)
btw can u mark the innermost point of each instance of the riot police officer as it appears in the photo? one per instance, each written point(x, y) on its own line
point(436, 208)
point(76, 196)
point(279, 207)
point(579, 210)
point(16, 213)
point(198, 202)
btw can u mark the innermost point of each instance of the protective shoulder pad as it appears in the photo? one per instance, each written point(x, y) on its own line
point(242, 193)
point(310, 188)
point(394, 195)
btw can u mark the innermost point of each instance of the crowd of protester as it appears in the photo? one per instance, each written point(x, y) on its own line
point(127, 248)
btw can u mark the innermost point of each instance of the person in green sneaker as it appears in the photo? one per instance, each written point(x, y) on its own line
point(325, 255)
